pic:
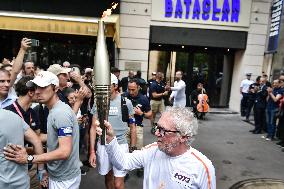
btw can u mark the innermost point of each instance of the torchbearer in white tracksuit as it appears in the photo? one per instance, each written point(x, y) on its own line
point(170, 162)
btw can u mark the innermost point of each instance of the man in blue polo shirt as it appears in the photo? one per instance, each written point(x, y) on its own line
point(158, 92)
point(142, 109)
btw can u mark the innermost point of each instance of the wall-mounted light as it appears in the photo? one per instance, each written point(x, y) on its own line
point(205, 48)
point(159, 45)
point(182, 47)
point(228, 50)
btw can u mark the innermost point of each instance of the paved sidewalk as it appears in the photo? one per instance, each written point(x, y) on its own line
point(235, 152)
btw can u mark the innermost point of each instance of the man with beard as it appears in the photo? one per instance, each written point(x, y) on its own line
point(28, 69)
point(171, 162)
point(178, 94)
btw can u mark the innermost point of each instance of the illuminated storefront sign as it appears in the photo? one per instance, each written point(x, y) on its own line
point(229, 11)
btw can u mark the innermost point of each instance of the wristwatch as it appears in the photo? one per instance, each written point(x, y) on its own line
point(30, 159)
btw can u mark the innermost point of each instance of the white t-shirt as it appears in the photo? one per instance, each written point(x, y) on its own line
point(245, 85)
point(191, 170)
point(179, 93)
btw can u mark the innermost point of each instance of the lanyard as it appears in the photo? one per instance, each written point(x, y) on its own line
point(20, 113)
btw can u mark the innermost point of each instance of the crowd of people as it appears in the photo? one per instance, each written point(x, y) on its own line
point(48, 117)
point(267, 101)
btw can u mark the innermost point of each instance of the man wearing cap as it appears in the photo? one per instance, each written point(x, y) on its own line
point(62, 155)
point(63, 76)
point(121, 128)
point(244, 89)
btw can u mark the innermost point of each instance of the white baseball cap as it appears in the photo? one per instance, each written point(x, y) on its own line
point(113, 79)
point(44, 79)
point(58, 69)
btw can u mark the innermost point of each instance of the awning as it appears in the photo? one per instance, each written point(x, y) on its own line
point(62, 24)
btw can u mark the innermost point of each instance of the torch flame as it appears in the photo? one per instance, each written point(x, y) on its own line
point(109, 11)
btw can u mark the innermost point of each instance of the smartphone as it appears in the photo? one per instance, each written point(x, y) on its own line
point(35, 43)
point(75, 69)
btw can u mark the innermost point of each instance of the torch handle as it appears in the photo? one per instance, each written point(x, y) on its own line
point(103, 137)
point(102, 102)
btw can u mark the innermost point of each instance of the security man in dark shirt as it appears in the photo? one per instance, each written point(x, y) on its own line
point(251, 97)
point(142, 110)
point(22, 106)
point(158, 91)
point(259, 107)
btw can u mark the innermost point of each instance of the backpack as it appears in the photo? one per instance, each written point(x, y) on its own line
point(124, 109)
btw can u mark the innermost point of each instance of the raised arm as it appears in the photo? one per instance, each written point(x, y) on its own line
point(17, 66)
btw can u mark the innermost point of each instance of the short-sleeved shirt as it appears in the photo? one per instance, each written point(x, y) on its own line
point(115, 118)
point(245, 85)
point(143, 103)
point(158, 88)
point(150, 81)
point(12, 129)
point(62, 122)
point(270, 103)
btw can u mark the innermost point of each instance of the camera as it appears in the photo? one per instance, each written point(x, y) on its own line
point(35, 43)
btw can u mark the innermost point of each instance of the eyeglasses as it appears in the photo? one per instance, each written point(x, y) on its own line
point(163, 131)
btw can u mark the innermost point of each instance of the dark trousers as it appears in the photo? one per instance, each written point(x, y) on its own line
point(280, 129)
point(244, 104)
point(198, 115)
point(259, 119)
point(250, 104)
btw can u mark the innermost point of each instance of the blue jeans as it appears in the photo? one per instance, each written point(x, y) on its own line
point(271, 122)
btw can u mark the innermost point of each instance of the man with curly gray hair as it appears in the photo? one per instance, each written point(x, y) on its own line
point(170, 162)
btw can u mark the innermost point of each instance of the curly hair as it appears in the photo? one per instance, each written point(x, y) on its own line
point(184, 120)
point(21, 87)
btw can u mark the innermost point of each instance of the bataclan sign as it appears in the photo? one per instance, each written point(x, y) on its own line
point(229, 11)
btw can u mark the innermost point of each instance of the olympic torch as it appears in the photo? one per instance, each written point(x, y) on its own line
point(101, 80)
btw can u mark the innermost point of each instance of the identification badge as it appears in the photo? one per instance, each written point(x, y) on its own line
point(182, 178)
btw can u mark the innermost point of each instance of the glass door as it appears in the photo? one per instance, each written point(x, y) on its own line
point(213, 69)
